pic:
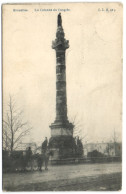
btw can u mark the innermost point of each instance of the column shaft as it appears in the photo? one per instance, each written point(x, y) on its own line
point(61, 101)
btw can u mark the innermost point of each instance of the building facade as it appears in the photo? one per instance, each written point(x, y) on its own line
point(106, 148)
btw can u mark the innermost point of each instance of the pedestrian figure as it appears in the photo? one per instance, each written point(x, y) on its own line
point(43, 159)
point(29, 157)
point(44, 146)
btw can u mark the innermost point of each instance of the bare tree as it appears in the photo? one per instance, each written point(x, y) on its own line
point(109, 147)
point(14, 128)
point(78, 128)
point(115, 140)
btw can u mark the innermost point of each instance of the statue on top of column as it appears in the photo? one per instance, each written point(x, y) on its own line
point(59, 20)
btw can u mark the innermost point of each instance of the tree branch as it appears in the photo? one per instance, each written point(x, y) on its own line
point(22, 134)
point(20, 126)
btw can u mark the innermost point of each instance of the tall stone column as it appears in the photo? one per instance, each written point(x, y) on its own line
point(61, 125)
point(61, 100)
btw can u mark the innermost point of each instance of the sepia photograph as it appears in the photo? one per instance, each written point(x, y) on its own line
point(62, 96)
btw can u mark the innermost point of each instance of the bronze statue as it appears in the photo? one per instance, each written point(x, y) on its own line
point(59, 20)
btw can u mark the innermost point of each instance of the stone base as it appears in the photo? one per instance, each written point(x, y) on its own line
point(62, 147)
point(61, 129)
point(55, 154)
point(62, 142)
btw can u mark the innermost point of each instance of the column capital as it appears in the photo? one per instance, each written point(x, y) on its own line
point(60, 43)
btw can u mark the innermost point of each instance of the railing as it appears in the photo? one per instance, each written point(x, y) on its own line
point(86, 160)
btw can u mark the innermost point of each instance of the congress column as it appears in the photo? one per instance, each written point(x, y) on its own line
point(61, 129)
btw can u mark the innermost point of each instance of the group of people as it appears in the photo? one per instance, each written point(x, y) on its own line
point(29, 154)
point(43, 149)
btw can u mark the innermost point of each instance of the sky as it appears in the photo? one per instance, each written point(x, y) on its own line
point(93, 66)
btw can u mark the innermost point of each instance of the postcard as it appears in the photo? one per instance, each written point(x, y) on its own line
point(62, 96)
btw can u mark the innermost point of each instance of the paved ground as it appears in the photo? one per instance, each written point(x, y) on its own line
point(67, 177)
